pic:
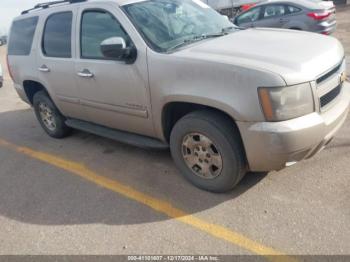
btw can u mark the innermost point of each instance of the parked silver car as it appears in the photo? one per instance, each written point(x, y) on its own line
point(307, 15)
point(176, 73)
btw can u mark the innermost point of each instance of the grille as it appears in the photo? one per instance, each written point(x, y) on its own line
point(329, 74)
point(330, 96)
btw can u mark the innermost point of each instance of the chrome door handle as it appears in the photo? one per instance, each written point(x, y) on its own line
point(85, 73)
point(44, 68)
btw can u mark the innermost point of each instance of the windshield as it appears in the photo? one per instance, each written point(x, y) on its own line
point(168, 24)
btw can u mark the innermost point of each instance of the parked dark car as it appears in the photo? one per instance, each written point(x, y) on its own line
point(1, 77)
point(3, 40)
point(307, 15)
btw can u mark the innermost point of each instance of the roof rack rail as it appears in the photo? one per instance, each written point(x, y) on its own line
point(48, 4)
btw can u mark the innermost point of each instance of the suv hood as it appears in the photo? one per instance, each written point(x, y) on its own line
point(296, 56)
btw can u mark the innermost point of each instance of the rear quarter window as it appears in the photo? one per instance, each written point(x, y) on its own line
point(293, 9)
point(21, 36)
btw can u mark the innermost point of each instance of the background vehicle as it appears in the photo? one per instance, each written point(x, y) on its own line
point(314, 16)
point(1, 77)
point(176, 73)
point(3, 39)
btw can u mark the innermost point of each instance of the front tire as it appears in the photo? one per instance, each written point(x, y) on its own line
point(49, 117)
point(207, 148)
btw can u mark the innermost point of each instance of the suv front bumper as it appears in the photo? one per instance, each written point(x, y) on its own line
point(275, 145)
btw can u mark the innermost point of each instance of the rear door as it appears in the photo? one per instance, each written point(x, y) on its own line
point(55, 60)
point(273, 15)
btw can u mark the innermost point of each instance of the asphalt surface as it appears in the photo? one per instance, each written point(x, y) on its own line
point(46, 209)
point(343, 32)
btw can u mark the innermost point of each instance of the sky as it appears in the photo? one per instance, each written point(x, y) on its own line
point(12, 8)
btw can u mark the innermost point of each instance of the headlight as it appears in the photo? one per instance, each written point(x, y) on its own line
point(283, 103)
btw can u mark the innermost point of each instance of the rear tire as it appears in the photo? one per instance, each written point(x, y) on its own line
point(207, 149)
point(49, 117)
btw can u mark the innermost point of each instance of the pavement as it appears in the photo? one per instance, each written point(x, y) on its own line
point(343, 31)
point(89, 195)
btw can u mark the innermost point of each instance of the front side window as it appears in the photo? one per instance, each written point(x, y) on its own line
point(57, 35)
point(21, 36)
point(97, 26)
point(249, 16)
point(167, 24)
point(274, 10)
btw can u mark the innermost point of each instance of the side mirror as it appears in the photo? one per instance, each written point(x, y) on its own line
point(115, 48)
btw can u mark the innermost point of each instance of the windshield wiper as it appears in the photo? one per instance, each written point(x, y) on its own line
point(227, 29)
point(196, 39)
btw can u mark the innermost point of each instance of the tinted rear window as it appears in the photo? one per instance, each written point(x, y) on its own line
point(57, 35)
point(21, 36)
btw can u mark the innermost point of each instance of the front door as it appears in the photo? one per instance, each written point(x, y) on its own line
point(114, 93)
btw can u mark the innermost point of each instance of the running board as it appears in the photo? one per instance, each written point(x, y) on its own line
point(117, 135)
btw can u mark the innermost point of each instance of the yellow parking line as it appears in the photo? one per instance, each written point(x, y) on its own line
point(154, 203)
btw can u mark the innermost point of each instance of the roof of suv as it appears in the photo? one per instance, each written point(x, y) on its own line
point(43, 6)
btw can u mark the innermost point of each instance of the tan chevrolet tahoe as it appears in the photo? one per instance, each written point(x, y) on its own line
point(175, 73)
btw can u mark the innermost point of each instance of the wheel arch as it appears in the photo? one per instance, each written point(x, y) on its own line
point(31, 87)
point(173, 111)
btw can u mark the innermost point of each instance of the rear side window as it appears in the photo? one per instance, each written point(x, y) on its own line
point(274, 10)
point(57, 35)
point(293, 9)
point(21, 36)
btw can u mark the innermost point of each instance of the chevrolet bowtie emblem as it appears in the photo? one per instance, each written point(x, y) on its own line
point(343, 77)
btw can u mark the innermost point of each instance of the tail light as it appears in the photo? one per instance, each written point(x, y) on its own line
point(8, 67)
point(319, 16)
